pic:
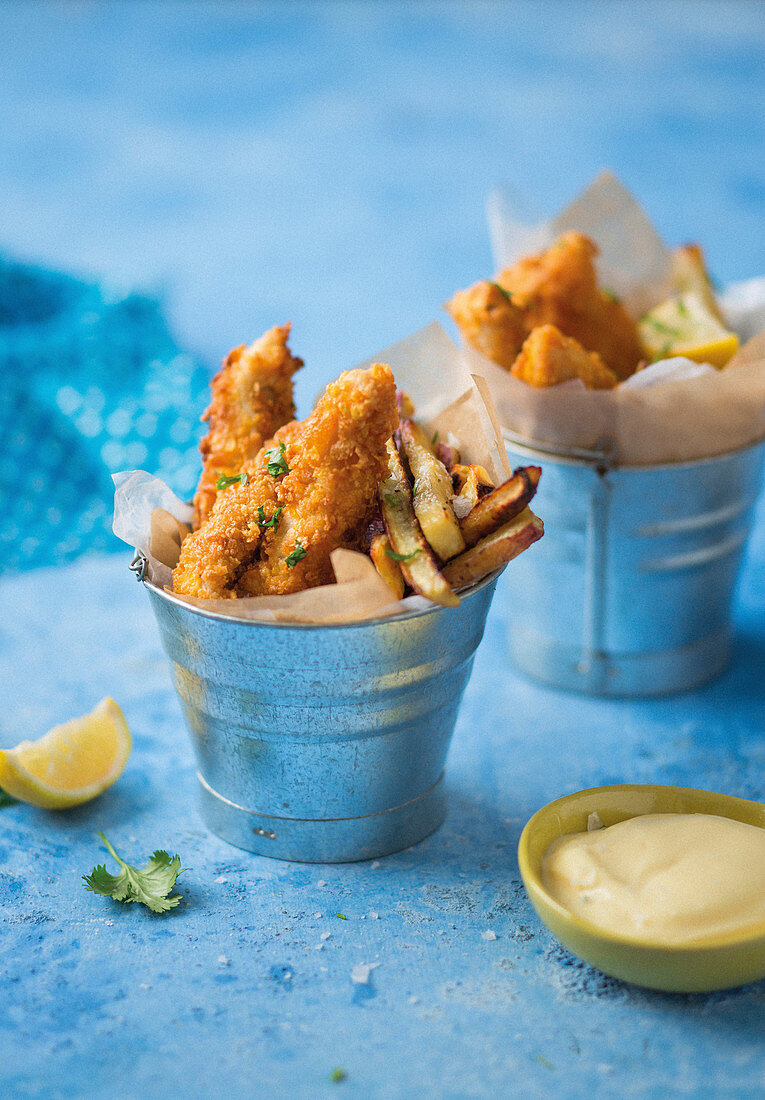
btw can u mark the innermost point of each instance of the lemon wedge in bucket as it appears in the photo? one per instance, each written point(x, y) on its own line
point(684, 326)
point(70, 764)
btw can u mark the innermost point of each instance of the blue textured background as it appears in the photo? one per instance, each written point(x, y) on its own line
point(327, 163)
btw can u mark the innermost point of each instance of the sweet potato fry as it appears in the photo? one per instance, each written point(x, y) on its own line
point(413, 554)
point(432, 493)
point(501, 504)
point(499, 547)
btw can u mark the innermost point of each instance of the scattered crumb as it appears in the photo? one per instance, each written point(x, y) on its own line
point(144, 985)
point(373, 916)
point(318, 947)
point(375, 864)
point(325, 935)
point(488, 935)
point(318, 916)
point(221, 878)
point(361, 972)
point(222, 960)
point(594, 822)
point(414, 1000)
point(321, 882)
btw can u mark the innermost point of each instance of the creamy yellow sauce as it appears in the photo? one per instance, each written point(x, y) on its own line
point(671, 878)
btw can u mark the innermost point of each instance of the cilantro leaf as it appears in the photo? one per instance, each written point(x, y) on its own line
point(297, 555)
point(277, 462)
point(6, 799)
point(150, 885)
point(225, 480)
point(272, 522)
point(502, 291)
point(402, 557)
point(338, 1074)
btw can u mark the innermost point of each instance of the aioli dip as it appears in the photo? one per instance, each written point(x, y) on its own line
point(669, 878)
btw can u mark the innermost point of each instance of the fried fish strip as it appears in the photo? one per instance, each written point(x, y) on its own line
point(251, 399)
point(549, 358)
point(274, 534)
point(560, 287)
point(490, 320)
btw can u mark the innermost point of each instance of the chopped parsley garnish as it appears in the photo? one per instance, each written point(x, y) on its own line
point(502, 291)
point(662, 352)
point(277, 463)
point(402, 557)
point(338, 1074)
point(608, 293)
point(225, 480)
point(272, 522)
point(297, 555)
point(342, 916)
point(434, 440)
point(682, 308)
point(150, 885)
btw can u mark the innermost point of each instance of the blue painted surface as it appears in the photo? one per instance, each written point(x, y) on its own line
point(328, 163)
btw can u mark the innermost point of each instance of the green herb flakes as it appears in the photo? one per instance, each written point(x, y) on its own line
point(150, 885)
point(225, 480)
point(277, 462)
point(297, 555)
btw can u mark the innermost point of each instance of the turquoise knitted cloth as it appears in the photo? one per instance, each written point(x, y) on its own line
point(88, 385)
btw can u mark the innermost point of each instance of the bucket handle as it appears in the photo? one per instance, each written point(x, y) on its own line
point(138, 565)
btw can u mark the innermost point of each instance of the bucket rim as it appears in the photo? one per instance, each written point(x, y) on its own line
point(434, 608)
point(578, 456)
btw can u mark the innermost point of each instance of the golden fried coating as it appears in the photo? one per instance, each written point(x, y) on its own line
point(559, 287)
point(310, 490)
point(251, 398)
point(548, 358)
point(490, 321)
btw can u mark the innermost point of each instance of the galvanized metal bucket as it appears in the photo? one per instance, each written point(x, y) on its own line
point(322, 743)
point(630, 590)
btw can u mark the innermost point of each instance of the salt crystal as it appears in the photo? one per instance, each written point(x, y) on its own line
point(222, 960)
point(319, 947)
point(321, 882)
point(317, 915)
point(414, 1000)
point(488, 935)
point(373, 916)
point(221, 878)
point(375, 864)
point(594, 822)
point(325, 935)
point(361, 971)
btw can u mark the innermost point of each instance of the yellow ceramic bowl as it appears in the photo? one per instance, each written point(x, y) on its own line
point(716, 963)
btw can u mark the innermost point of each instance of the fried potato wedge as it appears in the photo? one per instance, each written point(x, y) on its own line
point(496, 549)
point(414, 556)
point(470, 484)
point(690, 276)
point(432, 493)
point(501, 504)
point(386, 566)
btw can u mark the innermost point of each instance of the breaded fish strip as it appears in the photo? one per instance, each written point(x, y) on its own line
point(548, 358)
point(490, 321)
point(251, 398)
point(311, 489)
point(559, 287)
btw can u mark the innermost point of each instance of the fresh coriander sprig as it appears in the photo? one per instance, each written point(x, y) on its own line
point(277, 462)
point(225, 480)
point(272, 522)
point(150, 885)
point(297, 555)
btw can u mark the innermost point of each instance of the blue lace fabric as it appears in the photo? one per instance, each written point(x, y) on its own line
point(88, 385)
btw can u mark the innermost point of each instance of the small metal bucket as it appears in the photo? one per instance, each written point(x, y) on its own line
point(630, 590)
point(322, 743)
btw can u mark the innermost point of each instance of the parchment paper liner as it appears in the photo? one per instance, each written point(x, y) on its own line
point(149, 517)
point(675, 421)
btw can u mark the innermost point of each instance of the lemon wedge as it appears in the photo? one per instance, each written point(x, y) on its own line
point(684, 326)
point(70, 764)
